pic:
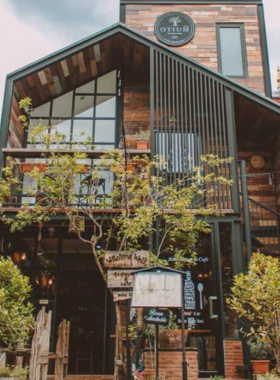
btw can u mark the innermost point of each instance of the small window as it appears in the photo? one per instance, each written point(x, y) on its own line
point(232, 50)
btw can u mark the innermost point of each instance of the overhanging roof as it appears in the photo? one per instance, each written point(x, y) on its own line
point(120, 28)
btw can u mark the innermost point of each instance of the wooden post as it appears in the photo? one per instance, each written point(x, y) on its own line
point(62, 347)
point(40, 347)
point(3, 358)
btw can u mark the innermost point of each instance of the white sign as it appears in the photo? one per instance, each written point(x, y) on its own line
point(122, 295)
point(189, 292)
point(157, 289)
point(120, 278)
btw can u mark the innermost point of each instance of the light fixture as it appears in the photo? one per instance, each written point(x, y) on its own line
point(23, 256)
point(50, 281)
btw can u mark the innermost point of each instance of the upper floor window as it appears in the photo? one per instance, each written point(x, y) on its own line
point(88, 111)
point(232, 50)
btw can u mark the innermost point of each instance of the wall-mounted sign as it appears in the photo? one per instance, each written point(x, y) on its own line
point(156, 316)
point(120, 278)
point(189, 292)
point(138, 259)
point(157, 289)
point(174, 29)
point(122, 295)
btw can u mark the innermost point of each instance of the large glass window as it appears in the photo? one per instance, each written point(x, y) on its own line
point(87, 112)
point(232, 50)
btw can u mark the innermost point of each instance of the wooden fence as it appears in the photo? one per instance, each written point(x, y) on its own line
point(39, 356)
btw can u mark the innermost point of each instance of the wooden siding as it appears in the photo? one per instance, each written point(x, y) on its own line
point(136, 116)
point(203, 48)
point(16, 131)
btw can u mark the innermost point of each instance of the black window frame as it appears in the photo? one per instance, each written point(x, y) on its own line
point(49, 119)
point(241, 27)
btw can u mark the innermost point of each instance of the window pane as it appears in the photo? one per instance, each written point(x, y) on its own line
point(231, 51)
point(82, 130)
point(104, 131)
point(42, 111)
point(35, 123)
point(104, 146)
point(62, 106)
point(105, 106)
point(64, 127)
point(87, 88)
point(83, 106)
point(107, 83)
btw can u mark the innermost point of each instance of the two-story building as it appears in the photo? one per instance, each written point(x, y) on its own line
point(195, 73)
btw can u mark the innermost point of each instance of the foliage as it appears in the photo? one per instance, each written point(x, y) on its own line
point(143, 136)
point(18, 373)
point(139, 326)
point(259, 349)
point(256, 298)
point(143, 203)
point(16, 319)
point(216, 377)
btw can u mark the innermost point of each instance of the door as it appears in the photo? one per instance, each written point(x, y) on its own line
point(202, 307)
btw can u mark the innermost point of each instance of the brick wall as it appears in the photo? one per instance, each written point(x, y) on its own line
point(170, 362)
point(233, 353)
point(203, 47)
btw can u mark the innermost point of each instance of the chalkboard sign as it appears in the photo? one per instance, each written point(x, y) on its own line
point(156, 316)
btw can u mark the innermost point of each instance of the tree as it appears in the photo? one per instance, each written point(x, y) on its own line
point(16, 317)
point(142, 204)
point(256, 297)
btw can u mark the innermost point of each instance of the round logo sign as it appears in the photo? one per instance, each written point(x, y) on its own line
point(174, 29)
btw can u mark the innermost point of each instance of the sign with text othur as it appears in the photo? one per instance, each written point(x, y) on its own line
point(157, 289)
point(174, 29)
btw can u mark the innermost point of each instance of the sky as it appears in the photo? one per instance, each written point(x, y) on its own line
point(32, 29)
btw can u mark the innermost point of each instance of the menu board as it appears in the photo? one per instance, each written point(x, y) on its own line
point(157, 289)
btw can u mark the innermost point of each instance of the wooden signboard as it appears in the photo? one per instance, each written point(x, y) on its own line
point(120, 278)
point(119, 259)
point(122, 295)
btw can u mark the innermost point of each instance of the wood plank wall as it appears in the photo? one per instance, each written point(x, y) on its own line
point(203, 48)
point(136, 116)
point(16, 131)
point(259, 187)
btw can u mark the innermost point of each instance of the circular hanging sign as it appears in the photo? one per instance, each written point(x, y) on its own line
point(174, 29)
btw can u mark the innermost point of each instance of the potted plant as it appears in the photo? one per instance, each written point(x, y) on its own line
point(255, 299)
point(260, 352)
point(142, 140)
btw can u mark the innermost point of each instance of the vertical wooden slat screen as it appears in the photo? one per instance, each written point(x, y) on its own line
point(189, 121)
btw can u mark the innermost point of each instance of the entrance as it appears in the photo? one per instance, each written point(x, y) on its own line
point(83, 300)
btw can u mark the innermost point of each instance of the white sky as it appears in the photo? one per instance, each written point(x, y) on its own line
point(26, 37)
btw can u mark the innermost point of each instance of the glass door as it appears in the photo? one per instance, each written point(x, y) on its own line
point(202, 309)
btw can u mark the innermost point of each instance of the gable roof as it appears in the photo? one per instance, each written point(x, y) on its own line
point(120, 28)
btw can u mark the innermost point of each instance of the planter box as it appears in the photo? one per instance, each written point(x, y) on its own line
point(142, 145)
point(28, 166)
point(9, 378)
point(260, 367)
point(171, 339)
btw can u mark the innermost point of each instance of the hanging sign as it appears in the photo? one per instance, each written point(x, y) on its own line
point(156, 316)
point(122, 295)
point(120, 279)
point(157, 289)
point(174, 29)
point(115, 259)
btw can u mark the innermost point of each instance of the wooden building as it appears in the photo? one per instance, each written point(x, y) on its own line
point(194, 73)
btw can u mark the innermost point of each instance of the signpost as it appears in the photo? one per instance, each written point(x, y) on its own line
point(120, 278)
point(160, 287)
point(137, 259)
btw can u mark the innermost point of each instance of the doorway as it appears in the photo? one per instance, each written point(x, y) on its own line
point(83, 300)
